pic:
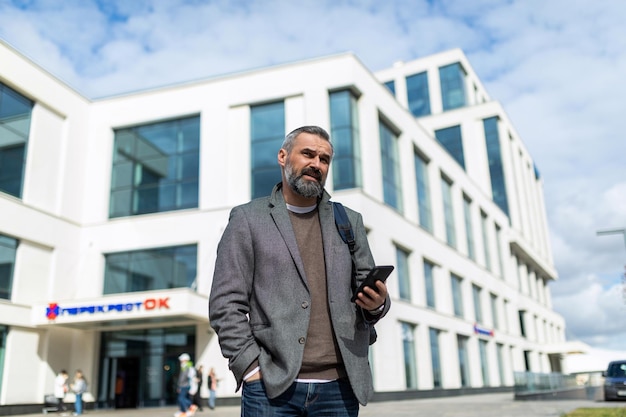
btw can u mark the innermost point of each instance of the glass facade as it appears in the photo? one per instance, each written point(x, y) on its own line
point(15, 116)
point(267, 133)
point(392, 188)
point(435, 356)
point(410, 362)
point(450, 138)
point(457, 294)
point(402, 271)
point(8, 250)
point(344, 133)
point(156, 167)
point(429, 282)
point(452, 79)
point(418, 94)
point(144, 362)
point(423, 192)
point(448, 211)
point(469, 228)
point(152, 269)
point(496, 170)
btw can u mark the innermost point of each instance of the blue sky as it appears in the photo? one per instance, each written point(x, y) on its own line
point(557, 67)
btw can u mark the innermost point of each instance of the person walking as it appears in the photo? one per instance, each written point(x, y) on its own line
point(186, 387)
point(212, 384)
point(197, 399)
point(280, 297)
point(79, 387)
point(60, 389)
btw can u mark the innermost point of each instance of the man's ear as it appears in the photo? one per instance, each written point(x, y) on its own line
point(282, 157)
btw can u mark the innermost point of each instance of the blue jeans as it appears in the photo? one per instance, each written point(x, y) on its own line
point(184, 402)
point(78, 405)
point(212, 399)
point(329, 399)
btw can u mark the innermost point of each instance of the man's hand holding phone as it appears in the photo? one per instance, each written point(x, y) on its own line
point(373, 291)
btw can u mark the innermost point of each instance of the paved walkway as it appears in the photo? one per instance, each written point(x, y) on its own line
point(483, 405)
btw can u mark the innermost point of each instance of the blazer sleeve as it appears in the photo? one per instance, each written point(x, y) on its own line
point(231, 288)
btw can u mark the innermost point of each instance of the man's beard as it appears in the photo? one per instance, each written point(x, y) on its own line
point(305, 188)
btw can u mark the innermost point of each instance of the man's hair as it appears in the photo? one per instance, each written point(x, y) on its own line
point(313, 130)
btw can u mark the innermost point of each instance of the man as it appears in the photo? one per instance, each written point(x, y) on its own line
point(186, 387)
point(61, 387)
point(280, 299)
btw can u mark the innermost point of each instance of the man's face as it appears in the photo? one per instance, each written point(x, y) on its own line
point(306, 166)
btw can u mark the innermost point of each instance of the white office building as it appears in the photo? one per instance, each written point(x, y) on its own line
point(111, 210)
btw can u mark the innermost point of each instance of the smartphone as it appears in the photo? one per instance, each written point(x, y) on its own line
point(378, 273)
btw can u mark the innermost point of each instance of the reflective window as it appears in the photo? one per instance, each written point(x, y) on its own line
point(484, 362)
point(469, 228)
point(499, 250)
point(423, 192)
point(484, 227)
point(451, 139)
point(15, 115)
point(463, 360)
point(151, 269)
point(392, 188)
point(410, 362)
point(448, 211)
point(478, 308)
point(267, 133)
point(500, 349)
point(345, 136)
point(496, 171)
point(8, 249)
point(452, 78)
point(494, 311)
point(429, 282)
point(435, 356)
point(418, 94)
point(391, 86)
point(156, 167)
point(402, 272)
point(4, 330)
point(457, 294)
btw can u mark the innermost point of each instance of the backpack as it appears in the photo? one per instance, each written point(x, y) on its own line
point(344, 227)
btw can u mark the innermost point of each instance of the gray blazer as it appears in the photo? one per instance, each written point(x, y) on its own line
point(259, 297)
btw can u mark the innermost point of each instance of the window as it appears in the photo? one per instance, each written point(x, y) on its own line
point(450, 138)
point(267, 133)
point(496, 171)
point(391, 86)
point(435, 356)
point(392, 188)
point(446, 191)
point(344, 131)
point(4, 330)
point(402, 269)
point(522, 322)
point(156, 167)
point(494, 310)
point(484, 227)
point(457, 294)
point(152, 269)
point(478, 310)
point(501, 362)
point(461, 342)
point(469, 230)
point(452, 78)
point(15, 114)
point(423, 192)
point(499, 250)
point(429, 283)
point(8, 250)
point(410, 363)
point(417, 94)
point(484, 362)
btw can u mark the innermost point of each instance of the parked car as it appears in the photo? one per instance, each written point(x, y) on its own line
point(615, 381)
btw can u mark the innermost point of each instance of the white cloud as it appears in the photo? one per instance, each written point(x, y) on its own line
point(557, 67)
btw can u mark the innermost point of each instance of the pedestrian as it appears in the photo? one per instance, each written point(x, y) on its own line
point(79, 387)
point(60, 389)
point(197, 400)
point(186, 387)
point(212, 384)
point(280, 297)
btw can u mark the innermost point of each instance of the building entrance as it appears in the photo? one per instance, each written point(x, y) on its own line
point(138, 368)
